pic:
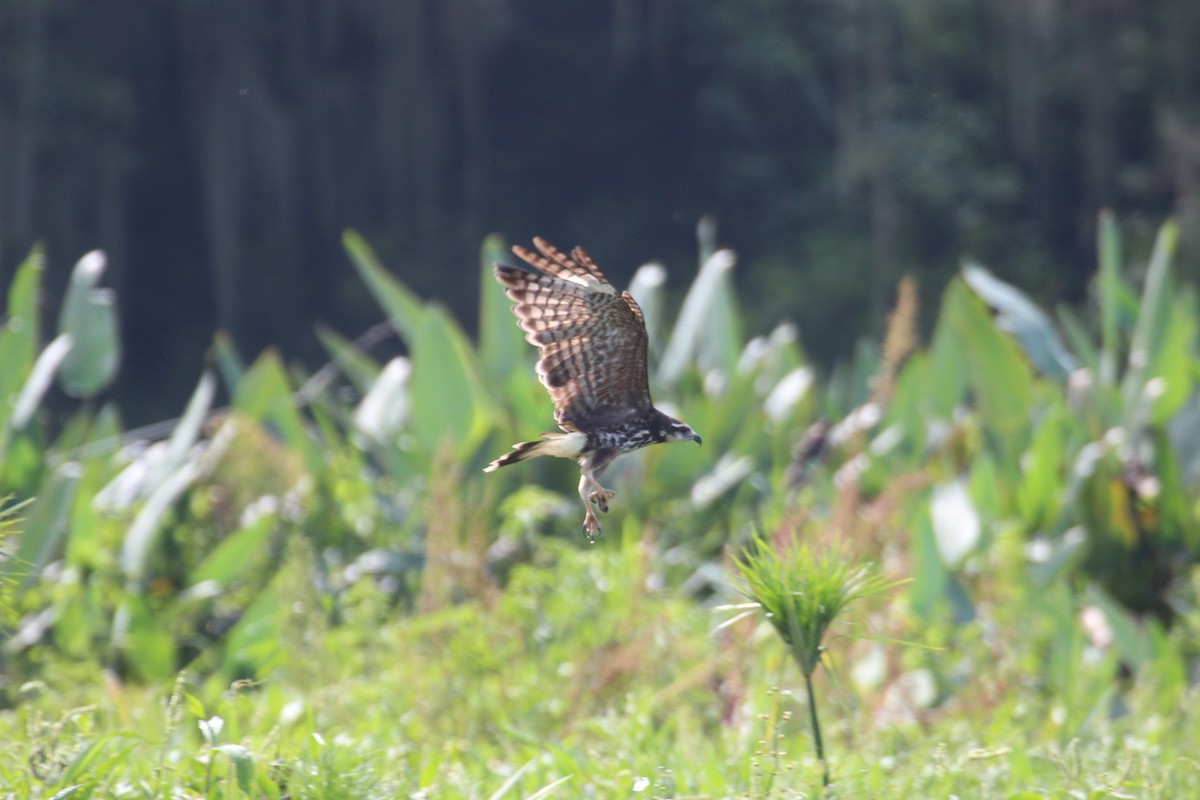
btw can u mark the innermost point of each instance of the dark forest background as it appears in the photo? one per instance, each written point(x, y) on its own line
point(217, 149)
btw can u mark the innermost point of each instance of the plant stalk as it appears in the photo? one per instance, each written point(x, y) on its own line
point(816, 728)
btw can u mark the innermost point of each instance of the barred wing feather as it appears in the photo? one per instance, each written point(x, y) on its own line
point(592, 340)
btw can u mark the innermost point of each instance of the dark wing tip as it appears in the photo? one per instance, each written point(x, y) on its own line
point(507, 273)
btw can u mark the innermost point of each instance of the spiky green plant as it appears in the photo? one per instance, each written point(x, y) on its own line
point(803, 594)
point(9, 526)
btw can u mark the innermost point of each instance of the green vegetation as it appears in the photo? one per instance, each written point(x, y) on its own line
point(803, 595)
point(315, 593)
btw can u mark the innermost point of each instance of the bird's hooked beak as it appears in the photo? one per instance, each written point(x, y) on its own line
point(696, 438)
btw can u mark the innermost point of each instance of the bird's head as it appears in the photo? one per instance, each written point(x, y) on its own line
point(677, 431)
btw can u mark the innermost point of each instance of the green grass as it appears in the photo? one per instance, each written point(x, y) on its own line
point(580, 671)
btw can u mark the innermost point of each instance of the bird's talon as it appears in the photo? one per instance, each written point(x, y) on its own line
point(591, 526)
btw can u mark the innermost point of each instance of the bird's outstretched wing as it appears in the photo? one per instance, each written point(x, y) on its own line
point(592, 339)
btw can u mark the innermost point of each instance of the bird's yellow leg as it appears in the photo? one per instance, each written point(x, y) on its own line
point(591, 525)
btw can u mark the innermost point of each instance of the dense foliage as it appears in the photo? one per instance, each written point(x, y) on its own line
point(315, 592)
point(217, 149)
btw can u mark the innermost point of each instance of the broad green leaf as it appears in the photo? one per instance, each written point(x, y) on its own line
point(45, 524)
point(402, 306)
point(1129, 637)
point(723, 341)
point(255, 642)
point(449, 401)
point(947, 373)
point(229, 362)
point(191, 424)
point(707, 331)
point(928, 590)
point(1081, 341)
point(86, 547)
point(230, 559)
point(243, 763)
point(1060, 555)
point(135, 550)
point(19, 336)
point(1183, 433)
point(647, 287)
point(1000, 377)
point(195, 706)
point(1171, 376)
point(385, 408)
point(1016, 314)
point(147, 643)
point(96, 758)
point(1154, 316)
point(1043, 469)
point(265, 394)
point(990, 493)
point(89, 318)
point(23, 466)
point(355, 364)
point(40, 378)
point(1174, 509)
point(502, 345)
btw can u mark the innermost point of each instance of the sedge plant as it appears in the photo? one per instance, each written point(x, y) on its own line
point(803, 594)
point(10, 567)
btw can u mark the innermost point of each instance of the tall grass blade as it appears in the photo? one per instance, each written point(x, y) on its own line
point(136, 548)
point(229, 362)
point(265, 394)
point(549, 788)
point(191, 424)
point(231, 558)
point(1016, 314)
point(512, 779)
point(403, 307)
point(706, 333)
point(998, 374)
point(449, 400)
point(1108, 246)
point(1154, 316)
point(502, 346)
point(40, 379)
point(19, 336)
point(360, 368)
point(45, 525)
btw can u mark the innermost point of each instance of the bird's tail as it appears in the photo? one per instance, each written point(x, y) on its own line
point(563, 445)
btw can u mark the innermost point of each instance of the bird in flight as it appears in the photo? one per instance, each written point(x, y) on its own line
point(592, 343)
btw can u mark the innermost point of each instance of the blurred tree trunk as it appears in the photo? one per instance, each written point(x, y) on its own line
point(215, 62)
point(1028, 29)
point(1026, 25)
point(1181, 146)
point(1178, 115)
point(19, 128)
point(885, 212)
point(1100, 23)
point(848, 103)
point(465, 37)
